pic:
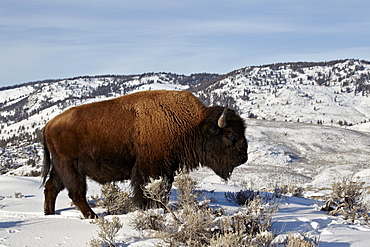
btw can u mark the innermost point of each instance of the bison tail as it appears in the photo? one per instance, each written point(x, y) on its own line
point(47, 163)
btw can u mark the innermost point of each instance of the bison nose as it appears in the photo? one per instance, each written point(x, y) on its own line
point(242, 145)
point(245, 158)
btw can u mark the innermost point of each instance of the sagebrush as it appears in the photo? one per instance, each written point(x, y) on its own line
point(106, 233)
point(192, 222)
point(347, 200)
point(114, 199)
point(242, 197)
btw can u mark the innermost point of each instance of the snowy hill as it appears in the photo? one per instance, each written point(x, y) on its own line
point(332, 93)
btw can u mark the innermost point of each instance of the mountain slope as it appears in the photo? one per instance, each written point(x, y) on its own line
point(333, 93)
point(327, 94)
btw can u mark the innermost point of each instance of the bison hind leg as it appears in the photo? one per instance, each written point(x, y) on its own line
point(75, 183)
point(52, 188)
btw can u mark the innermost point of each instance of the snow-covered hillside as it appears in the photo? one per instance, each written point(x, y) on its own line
point(332, 93)
point(305, 154)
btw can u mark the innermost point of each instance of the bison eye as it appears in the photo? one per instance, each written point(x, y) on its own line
point(230, 138)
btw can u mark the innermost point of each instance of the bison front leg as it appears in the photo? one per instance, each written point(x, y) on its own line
point(140, 178)
point(77, 192)
point(137, 183)
point(83, 206)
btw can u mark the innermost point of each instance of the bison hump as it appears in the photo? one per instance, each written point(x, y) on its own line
point(163, 119)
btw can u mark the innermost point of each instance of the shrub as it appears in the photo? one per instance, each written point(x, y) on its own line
point(152, 219)
point(288, 189)
point(196, 223)
point(114, 199)
point(156, 190)
point(189, 223)
point(107, 232)
point(242, 197)
point(18, 195)
point(236, 239)
point(347, 200)
point(254, 218)
point(185, 188)
point(300, 240)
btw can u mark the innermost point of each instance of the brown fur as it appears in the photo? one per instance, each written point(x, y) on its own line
point(137, 136)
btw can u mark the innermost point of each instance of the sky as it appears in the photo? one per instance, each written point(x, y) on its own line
point(43, 39)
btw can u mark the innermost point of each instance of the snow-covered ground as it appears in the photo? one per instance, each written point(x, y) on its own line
point(22, 222)
point(311, 156)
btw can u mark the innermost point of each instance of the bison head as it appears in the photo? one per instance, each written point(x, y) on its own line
point(224, 144)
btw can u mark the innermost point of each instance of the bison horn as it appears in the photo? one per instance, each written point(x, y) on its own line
point(222, 120)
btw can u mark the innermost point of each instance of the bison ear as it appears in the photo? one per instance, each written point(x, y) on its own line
point(211, 129)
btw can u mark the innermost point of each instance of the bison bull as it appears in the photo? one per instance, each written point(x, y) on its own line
point(137, 136)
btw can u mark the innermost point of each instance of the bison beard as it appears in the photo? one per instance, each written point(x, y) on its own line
point(137, 136)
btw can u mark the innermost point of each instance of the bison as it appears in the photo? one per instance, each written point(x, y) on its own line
point(137, 136)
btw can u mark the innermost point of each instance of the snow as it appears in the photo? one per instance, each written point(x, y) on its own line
point(300, 154)
point(283, 151)
point(22, 222)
